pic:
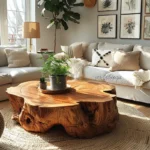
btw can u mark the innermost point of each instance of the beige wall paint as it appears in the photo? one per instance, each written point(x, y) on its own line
point(47, 35)
point(87, 29)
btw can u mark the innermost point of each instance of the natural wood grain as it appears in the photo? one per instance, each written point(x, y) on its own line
point(84, 112)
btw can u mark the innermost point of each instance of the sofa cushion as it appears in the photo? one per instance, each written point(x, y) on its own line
point(120, 78)
point(37, 60)
point(22, 74)
point(5, 78)
point(112, 46)
point(95, 73)
point(88, 52)
point(102, 58)
point(17, 58)
point(145, 56)
point(77, 50)
point(126, 61)
point(3, 58)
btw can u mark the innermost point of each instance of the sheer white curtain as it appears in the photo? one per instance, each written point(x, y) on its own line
point(12, 15)
point(3, 23)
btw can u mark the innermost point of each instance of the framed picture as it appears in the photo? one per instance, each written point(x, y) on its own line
point(146, 30)
point(131, 6)
point(147, 6)
point(107, 25)
point(107, 5)
point(130, 26)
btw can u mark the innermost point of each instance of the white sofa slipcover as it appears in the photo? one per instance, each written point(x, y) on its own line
point(122, 80)
point(23, 74)
point(13, 76)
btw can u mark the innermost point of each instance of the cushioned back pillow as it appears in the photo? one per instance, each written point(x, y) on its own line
point(101, 58)
point(17, 58)
point(125, 61)
point(145, 56)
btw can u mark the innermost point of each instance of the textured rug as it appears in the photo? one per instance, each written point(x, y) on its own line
point(132, 133)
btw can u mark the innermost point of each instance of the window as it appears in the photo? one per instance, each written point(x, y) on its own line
point(12, 16)
point(15, 19)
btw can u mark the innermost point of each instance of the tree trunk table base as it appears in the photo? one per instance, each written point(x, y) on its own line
point(85, 112)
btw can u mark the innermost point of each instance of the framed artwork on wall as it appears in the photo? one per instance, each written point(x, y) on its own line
point(131, 6)
point(107, 5)
point(147, 6)
point(130, 26)
point(146, 29)
point(107, 26)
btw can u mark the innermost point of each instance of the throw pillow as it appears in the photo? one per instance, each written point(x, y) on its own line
point(17, 58)
point(76, 50)
point(88, 52)
point(101, 58)
point(145, 56)
point(125, 61)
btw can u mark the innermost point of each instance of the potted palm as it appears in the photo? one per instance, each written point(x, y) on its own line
point(57, 70)
point(62, 13)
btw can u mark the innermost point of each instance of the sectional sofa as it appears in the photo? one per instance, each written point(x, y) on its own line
point(13, 76)
point(120, 79)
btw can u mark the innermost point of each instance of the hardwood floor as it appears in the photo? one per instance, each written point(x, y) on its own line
point(145, 109)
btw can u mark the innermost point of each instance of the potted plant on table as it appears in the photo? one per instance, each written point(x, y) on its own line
point(57, 70)
point(43, 83)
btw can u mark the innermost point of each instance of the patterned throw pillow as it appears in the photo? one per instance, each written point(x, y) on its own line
point(102, 58)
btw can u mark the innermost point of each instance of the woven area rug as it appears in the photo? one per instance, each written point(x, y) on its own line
point(132, 133)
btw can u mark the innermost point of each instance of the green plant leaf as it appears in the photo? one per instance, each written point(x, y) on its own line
point(43, 12)
point(70, 2)
point(74, 15)
point(48, 6)
point(50, 25)
point(54, 2)
point(78, 4)
point(64, 24)
point(40, 2)
point(65, 17)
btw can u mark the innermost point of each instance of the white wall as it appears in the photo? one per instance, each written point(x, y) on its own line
point(47, 35)
point(87, 30)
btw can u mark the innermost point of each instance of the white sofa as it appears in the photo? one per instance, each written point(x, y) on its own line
point(121, 79)
point(13, 76)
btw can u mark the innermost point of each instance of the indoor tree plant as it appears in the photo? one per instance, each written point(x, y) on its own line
point(56, 69)
point(61, 13)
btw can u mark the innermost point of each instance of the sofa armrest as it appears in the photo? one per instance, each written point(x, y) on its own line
point(37, 60)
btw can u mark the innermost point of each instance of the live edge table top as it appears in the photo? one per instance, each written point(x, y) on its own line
point(87, 110)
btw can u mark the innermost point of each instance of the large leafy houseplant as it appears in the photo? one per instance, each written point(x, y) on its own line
point(61, 13)
point(56, 69)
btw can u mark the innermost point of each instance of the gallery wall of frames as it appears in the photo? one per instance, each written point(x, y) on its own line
point(131, 24)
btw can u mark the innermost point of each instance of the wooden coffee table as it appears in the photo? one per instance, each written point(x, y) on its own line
point(87, 111)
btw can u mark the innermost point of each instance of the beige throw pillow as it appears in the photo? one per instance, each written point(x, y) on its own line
point(125, 61)
point(17, 58)
point(145, 56)
point(76, 50)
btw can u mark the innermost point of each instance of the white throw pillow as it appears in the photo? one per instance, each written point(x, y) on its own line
point(101, 58)
point(17, 58)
